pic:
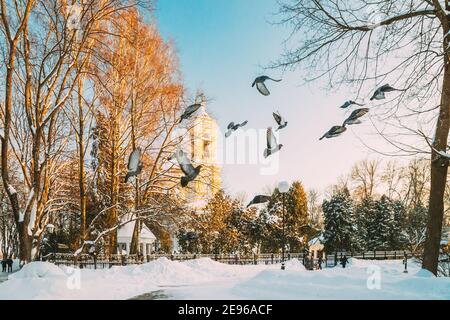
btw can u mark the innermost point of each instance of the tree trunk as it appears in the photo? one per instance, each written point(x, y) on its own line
point(134, 248)
point(136, 239)
point(25, 243)
point(113, 214)
point(81, 172)
point(439, 170)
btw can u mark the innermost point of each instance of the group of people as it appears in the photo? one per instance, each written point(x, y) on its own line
point(308, 262)
point(7, 264)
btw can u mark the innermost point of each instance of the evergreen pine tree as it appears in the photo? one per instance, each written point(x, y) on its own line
point(340, 229)
point(364, 212)
point(379, 225)
point(416, 224)
point(396, 240)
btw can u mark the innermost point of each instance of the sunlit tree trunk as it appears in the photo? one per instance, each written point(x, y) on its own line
point(81, 155)
point(439, 171)
point(12, 41)
point(134, 249)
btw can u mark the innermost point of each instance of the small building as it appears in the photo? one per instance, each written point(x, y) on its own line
point(316, 247)
point(445, 240)
point(125, 235)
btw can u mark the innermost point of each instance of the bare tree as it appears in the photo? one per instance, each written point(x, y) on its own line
point(365, 176)
point(139, 95)
point(392, 177)
point(44, 67)
point(13, 30)
point(8, 230)
point(315, 208)
point(416, 183)
point(404, 43)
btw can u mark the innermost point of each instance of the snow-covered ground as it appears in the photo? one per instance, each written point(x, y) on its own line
point(207, 279)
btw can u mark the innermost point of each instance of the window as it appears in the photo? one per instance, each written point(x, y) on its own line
point(206, 150)
point(122, 248)
point(192, 147)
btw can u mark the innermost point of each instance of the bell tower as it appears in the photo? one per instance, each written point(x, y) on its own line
point(203, 135)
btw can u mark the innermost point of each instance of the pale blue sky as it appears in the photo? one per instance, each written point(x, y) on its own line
point(222, 46)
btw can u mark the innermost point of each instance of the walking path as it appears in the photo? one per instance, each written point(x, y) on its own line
point(4, 275)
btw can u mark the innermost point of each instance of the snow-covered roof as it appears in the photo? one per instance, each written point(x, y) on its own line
point(125, 233)
point(317, 240)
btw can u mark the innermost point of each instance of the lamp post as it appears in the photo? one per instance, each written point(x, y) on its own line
point(283, 187)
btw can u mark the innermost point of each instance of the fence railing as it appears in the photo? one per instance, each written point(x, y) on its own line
point(335, 258)
point(102, 261)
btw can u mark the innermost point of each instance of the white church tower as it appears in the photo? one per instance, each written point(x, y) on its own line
point(202, 143)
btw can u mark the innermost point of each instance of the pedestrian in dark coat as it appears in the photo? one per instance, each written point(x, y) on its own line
point(319, 262)
point(10, 263)
point(344, 261)
point(4, 265)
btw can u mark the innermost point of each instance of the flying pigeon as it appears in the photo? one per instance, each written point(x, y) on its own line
point(355, 116)
point(272, 144)
point(259, 200)
point(134, 164)
point(282, 123)
point(350, 103)
point(233, 127)
point(380, 93)
point(259, 82)
point(189, 111)
point(186, 166)
point(334, 132)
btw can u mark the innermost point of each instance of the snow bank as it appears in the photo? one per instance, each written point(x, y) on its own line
point(423, 273)
point(166, 272)
point(37, 270)
point(363, 280)
point(295, 265)
point(208, 279)
point(217, 269)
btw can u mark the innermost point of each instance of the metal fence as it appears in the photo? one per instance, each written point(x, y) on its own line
point(103, 261)
point(335, 258)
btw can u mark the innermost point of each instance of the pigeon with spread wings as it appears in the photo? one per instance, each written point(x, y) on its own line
point(189, 111)
point(272, 144)
point(261, 86)
point(355, 116)
point(282, 123)
point(380, 93)
point(334, 132)
point(259, 200)
point(190, 173)
point(134, 164)
point(351, 103)
point(232, 127)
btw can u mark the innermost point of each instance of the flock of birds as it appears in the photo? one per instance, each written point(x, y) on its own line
point(190, 172)
point(355, 117)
